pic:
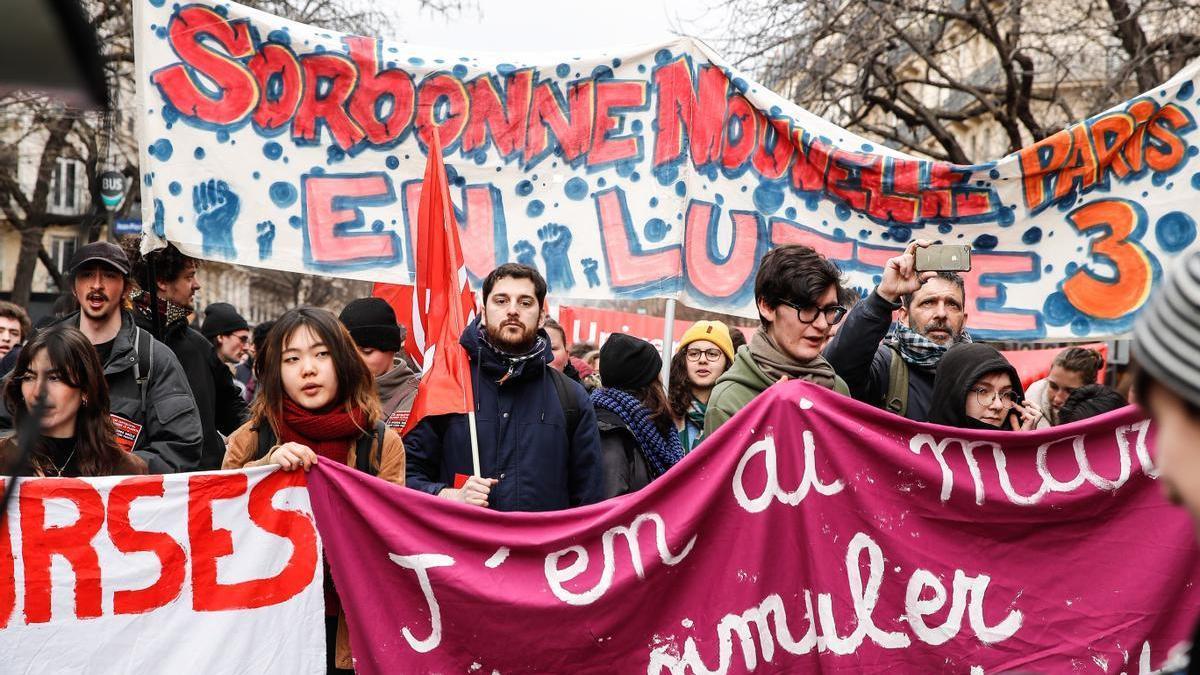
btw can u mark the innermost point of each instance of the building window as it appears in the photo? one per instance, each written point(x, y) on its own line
point(62, 249)
point(66, 186)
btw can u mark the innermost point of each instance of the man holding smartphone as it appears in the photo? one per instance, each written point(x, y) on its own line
point(891, 366)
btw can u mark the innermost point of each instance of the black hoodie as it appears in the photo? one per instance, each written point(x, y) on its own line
point(961, 367)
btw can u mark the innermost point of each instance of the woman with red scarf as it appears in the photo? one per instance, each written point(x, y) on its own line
point(316, 402)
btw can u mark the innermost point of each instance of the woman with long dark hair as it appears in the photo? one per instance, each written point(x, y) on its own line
point(704, 353)
point(316, 401)
point(638, 440)
point(76, 435)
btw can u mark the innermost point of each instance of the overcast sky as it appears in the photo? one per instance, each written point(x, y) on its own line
point(552, 25)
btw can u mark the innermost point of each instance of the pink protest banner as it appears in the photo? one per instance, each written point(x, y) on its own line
point(810, 534)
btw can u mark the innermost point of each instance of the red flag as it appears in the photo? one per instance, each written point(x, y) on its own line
point(442, 303)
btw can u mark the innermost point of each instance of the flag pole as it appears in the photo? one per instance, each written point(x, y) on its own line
point(668, 338)
point(454, 284)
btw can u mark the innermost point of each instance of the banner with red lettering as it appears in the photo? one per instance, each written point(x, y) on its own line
point(658, 171)
point(811, 533)
point(191, 573)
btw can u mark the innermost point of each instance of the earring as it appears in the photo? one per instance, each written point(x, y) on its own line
point(83, 402)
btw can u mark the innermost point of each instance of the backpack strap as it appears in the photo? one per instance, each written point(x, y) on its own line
point(362, 449)
point(896, 399)
point(266, 440)
point(570, 410)
point(142, 367)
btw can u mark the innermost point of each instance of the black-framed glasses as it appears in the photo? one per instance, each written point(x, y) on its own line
point(985, 397)
point(710, 355)
point(833, 313)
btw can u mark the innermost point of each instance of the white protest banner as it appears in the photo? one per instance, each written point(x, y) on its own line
point(200, 573)
point(654, 172)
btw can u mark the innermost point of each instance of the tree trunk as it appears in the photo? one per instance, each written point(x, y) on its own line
point(31, 242)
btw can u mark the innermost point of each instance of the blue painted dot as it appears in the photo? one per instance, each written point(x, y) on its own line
point(720, 198)
point(198, 153)
point(576, 188)
point(994, 173)
point(662, 56)
point(1196, 181)
point(636, 126)
point(161, 149)
point(416, 61)
point(1175, 231)
point(1048, 269)
point(1081, 326)
point(867, 147)
point(740, 85)
point(1032, 236)
point(393, 162)
point(812, 202)
point(616, 63)
point(460, 71)
point(283, 194)
point(864, 234)
point(768, 197)
point(842, 211)
point(377, 226)
point(666, 174)
point(156, 3)
point(222, 136)
point(175, 187)
point(1185, 91)
point(535, 208)
point(294, 221)
point(506, 69)
point(1006, 216)
point(279, 36)
point(161, 33)
point(641, 67)
point(1058, 310)
point(601, 182)
point(945, 228)
point(524, 188)
point(680, 189)
point(790, 212)
point(655, 230)
point(1159, 179)
point(899, 232)
point(170, 114)
point(986, 242)
point(653, 202)
point(562, 70)
point(334, 154)
point(272, 150)
point(256, 175)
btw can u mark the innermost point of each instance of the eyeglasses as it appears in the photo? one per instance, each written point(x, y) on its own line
point(985, 397)
point(694, 355)
point(833, 313)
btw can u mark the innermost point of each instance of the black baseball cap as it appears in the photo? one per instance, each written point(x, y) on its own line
point(101, 251)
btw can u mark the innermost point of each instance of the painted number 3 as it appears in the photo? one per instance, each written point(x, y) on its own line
point(1128, 288)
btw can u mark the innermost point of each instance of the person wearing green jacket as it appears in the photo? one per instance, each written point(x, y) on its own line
point(796, 290)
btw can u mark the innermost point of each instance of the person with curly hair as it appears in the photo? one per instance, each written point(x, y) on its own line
point(704, 353)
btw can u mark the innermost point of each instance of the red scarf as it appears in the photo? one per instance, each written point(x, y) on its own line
point(328, 431)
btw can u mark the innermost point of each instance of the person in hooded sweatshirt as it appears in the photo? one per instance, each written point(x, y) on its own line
point(372, 324)
point(975, 387)
point(539, 449)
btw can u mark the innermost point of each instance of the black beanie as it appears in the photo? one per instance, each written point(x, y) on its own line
point(628, 363)
point(221, 318)
point(372, 323)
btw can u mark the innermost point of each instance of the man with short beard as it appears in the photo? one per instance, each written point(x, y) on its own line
point(151, 402)
point(219, 401)
point(539, 448)
point(892, 367)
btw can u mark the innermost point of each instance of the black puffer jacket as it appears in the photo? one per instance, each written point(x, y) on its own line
point(218, 400)
point(961, 367)
point(625, 468)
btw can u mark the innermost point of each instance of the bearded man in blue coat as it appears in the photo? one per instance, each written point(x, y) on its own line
point(539, 448)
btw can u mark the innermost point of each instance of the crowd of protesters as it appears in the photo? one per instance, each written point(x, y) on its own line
point(125, 384)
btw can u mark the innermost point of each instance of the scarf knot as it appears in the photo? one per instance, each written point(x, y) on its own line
point(661, 452)
point(328, 431)
point(918, 350)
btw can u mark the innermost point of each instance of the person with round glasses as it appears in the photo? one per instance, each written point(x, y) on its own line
point(796, 290)
point(977, 388)
point(703, 355)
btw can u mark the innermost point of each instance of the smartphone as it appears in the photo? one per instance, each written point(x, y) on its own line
point(944, 258)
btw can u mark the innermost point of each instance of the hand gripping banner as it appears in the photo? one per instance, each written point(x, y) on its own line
point(188, 573)
point(657, 171)
point(812, 533)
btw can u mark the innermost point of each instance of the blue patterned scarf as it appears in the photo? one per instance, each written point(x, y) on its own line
point(918, 350)
point(661, 453)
